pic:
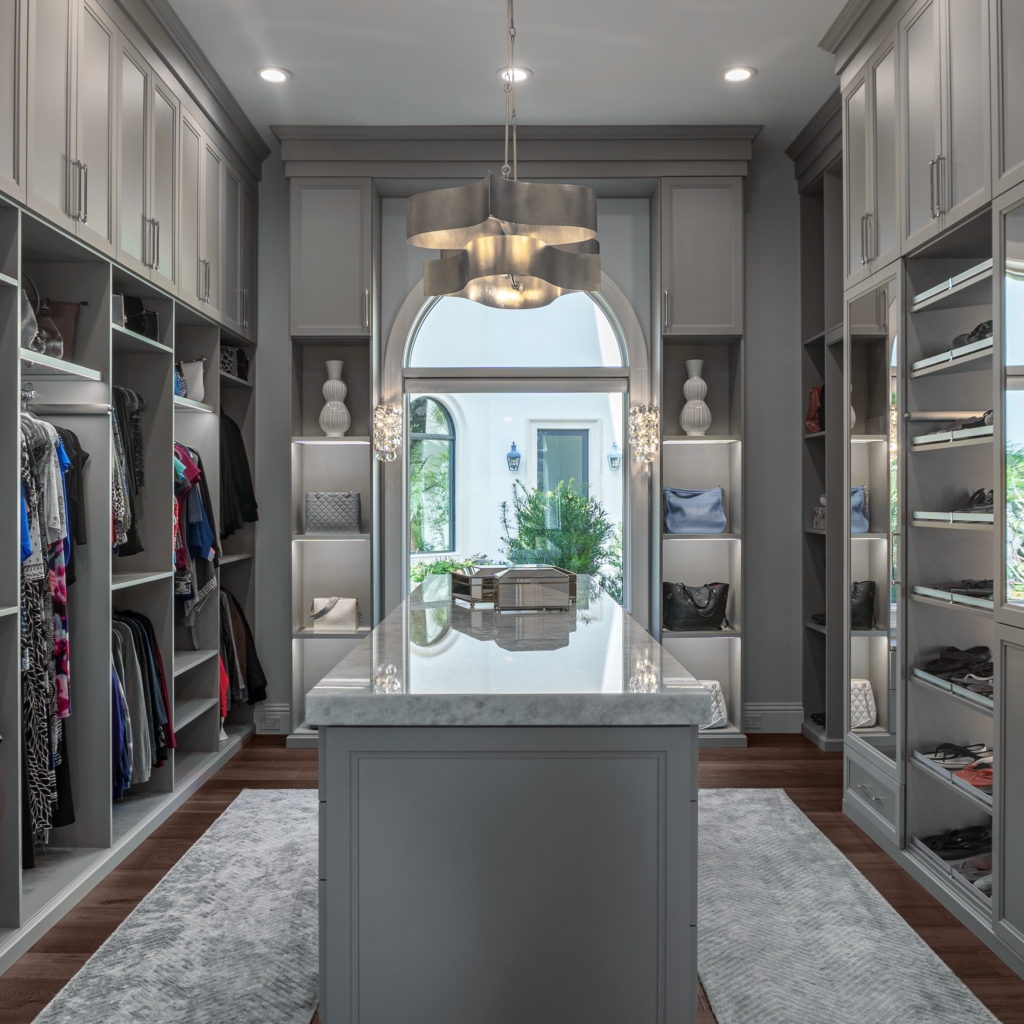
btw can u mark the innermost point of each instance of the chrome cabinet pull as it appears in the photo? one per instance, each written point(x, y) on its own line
point(863, 248)
point(156, 246)
point(664, 309)
point(204, 294)
point(869, 794)
point(869, 237)
point(244, 295)
point(366, 307)
point(938, 185)
point(84, 216)
point(931, 188)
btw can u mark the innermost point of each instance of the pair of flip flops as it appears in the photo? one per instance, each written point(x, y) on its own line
point(953, 756)
point(960, 843)
point(978, 775)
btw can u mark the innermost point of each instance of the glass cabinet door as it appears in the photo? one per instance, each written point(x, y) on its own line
point(872, 677)
point(1013, 333)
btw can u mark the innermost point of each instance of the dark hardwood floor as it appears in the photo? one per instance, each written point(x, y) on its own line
point(812, 779)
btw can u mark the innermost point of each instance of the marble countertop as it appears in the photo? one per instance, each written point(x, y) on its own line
point(435, 662)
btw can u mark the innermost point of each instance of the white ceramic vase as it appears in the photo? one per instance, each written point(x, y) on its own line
point(334, 416)
point(696, 416)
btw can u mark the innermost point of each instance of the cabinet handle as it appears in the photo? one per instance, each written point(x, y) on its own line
point(156, 246)
point(208, 273)
point(244, 296)
point(84, 214)
point(863, 248)
point(869, 236)
point(366, 307)
point(938, 185)
point(869, 794)
point(931, 187)
point(664, 309)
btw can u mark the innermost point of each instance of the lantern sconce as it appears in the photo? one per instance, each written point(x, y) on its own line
point(615, 458)
point(513, 458)
point(387, 432)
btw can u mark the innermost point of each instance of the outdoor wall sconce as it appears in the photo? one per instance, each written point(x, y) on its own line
point(513, 458)
point(615, 458)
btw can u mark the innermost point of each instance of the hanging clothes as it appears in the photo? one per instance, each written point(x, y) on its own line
point(239, 660)
point(237, 497)
point(74, 484)
point(129, 469)
point(196, 553)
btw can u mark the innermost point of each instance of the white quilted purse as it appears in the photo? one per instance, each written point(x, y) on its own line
point(719, 714)
point(862, 704)
point(335, 614)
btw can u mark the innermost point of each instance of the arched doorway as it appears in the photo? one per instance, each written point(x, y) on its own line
point(557, 381)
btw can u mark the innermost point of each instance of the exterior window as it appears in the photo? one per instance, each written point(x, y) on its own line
point(431, 477)
point(563, 457)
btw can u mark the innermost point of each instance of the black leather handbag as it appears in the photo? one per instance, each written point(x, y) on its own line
point(686, 607)
point(862, 605)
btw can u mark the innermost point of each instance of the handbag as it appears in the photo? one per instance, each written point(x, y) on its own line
point(719, 715)
point(332, 511)
point(193, 374)
point(29, 326)
point(859, 510)
point(229, 360)
point(59, 321)
point(46, 340)
point(862, 605)
point(862, 704)
point(812, 420)
point(127, 311)
point(694, 511)
point(180, 391)
point(694, 607)
point(335, 614)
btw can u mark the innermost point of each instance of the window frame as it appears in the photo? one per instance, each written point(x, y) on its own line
point(450, 438)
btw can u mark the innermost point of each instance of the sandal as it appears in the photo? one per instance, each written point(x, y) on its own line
point(960, 843)
point(954, 757)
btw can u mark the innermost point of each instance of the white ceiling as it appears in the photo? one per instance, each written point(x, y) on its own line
point(415, 62)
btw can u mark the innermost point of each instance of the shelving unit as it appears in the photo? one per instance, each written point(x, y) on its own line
point(78, 395)
point(713, 460)
point(329, 564)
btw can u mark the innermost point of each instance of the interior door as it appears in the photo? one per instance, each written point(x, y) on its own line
point(966, 169)
point(232, 237)
point(50, 111)
point(922, 136)
point(211, 220)
point(164, 185)
point(12, 97)
point(248, 258)
point(133, 235)
point(192, 271)
point(96, 105)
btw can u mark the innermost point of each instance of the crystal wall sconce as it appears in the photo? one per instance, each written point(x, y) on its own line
point(387, 432)
point(644, 432)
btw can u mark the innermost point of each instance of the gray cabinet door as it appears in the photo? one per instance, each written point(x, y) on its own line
point(249, 225)
point(921, 106)
point(51, 172)
point(331, 256)
point(702, 256)
point(192, 272)
point(133, 235)
point(855, 177)
point(213, 170)
point(13, 34)
point(164, 186)
point(231, 266)
point(883, 234)
point(966, 179)
point(1007, 91)
point(96, 105)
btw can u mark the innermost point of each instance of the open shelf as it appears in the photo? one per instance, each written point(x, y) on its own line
point(188, 405)
point(868, 438)
point(308, 633)
point(953, 362)
point(728, 735)
point(816, 626)
point(986, 609)
point(700, 536)
point(121, 580)
point(970, 288)
point(869, 536)
point(329, 536)
point(941, 446)
point(331, 440)
point(39, 365)
point(815, 434)
point(231, 559)
point(188, 710)
point(936, 524)
point(945, 776)
point(947, 877)
point(963, 696)
point(185, 660)
point(229, 380)
point(707, 439)
point(128, 341)
point(699, 634)
point(8, 281)
point(11, 609)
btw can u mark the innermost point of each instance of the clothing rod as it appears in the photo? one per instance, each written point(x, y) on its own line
point(940, 416)
point(73, 409)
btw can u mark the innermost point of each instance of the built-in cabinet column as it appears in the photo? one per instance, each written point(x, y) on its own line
point(133, 153)
point(1007, 91)
point(213, 169)
point(163, 180)
point(13, 15)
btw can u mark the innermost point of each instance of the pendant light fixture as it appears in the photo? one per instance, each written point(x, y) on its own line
point(506, 243)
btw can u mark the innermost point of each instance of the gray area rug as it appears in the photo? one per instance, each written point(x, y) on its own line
point(228, 935)
point(790, 932)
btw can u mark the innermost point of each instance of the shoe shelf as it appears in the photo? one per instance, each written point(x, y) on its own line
point(960, 694)
point(947, 876)
point(936, 524)
point(816, 626)
point(985, 608)
point(971, 287)
point(954, 362)
point(945, 776)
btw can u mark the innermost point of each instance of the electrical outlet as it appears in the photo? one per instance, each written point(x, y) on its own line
point(751, 722)
point(271, 724)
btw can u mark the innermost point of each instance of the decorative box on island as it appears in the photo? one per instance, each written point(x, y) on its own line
point(475, 583)
point(534, 588)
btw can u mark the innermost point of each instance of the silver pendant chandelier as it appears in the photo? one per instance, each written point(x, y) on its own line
point(507, 243)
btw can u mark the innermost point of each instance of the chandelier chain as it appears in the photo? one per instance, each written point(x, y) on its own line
point(511, 117)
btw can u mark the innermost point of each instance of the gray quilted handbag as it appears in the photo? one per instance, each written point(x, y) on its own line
point(719, 714)
point(332, 511)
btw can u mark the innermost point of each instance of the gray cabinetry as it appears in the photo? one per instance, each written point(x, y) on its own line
point(212, 232)
point(248, 233)
point(12, 93)
point(1009, 773)
point(202, 171)
point(870, 156)
point(331, 256)
point(163, 200)
point(1007, 91)
point(238, 224)
point(702, 256)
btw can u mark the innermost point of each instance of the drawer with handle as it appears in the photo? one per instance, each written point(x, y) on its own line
point(872, 793)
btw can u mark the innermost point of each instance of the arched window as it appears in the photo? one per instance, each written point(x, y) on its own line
point(431, 477)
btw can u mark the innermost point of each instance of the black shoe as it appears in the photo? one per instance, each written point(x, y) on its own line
point(960, 843)
point(969, 588)
point(980, 333)
point(819, 718)
point(980, 501)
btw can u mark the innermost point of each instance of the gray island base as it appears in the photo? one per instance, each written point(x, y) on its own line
point(508, 820)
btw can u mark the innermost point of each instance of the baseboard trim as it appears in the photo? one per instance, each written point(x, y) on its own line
point(768, 717)
point(273, 719)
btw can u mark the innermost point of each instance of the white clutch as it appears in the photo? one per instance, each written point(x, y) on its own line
point(719, 714)
point(862, 704)
point(335, 614)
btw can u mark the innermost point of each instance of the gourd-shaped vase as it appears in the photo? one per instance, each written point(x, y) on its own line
point(334, 417)
point(696, 416)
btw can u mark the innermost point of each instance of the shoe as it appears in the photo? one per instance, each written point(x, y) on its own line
point(980, 501)
point(980, 333)
point(819, 618)
point(819, 718)
point(968, 588)
point(960, 843)
point(953, 757)
point(954, 665)
point(978, 775)
point(984, 420)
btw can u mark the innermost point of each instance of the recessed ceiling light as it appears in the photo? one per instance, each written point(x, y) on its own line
point(274, 75)
point(738, 74)
point(519, 74)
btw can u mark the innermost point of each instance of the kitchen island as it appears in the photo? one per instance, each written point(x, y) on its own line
point(508, 819)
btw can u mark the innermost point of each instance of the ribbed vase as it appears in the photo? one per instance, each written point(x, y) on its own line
point(334, 416)
point(696, 416)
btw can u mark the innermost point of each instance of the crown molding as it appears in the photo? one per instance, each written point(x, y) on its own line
point(848, 17)
point(826, 112)
point(487, 132)
point(229, 109)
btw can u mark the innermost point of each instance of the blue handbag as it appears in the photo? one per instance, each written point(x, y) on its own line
point(859, 510)
point(692, 511)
